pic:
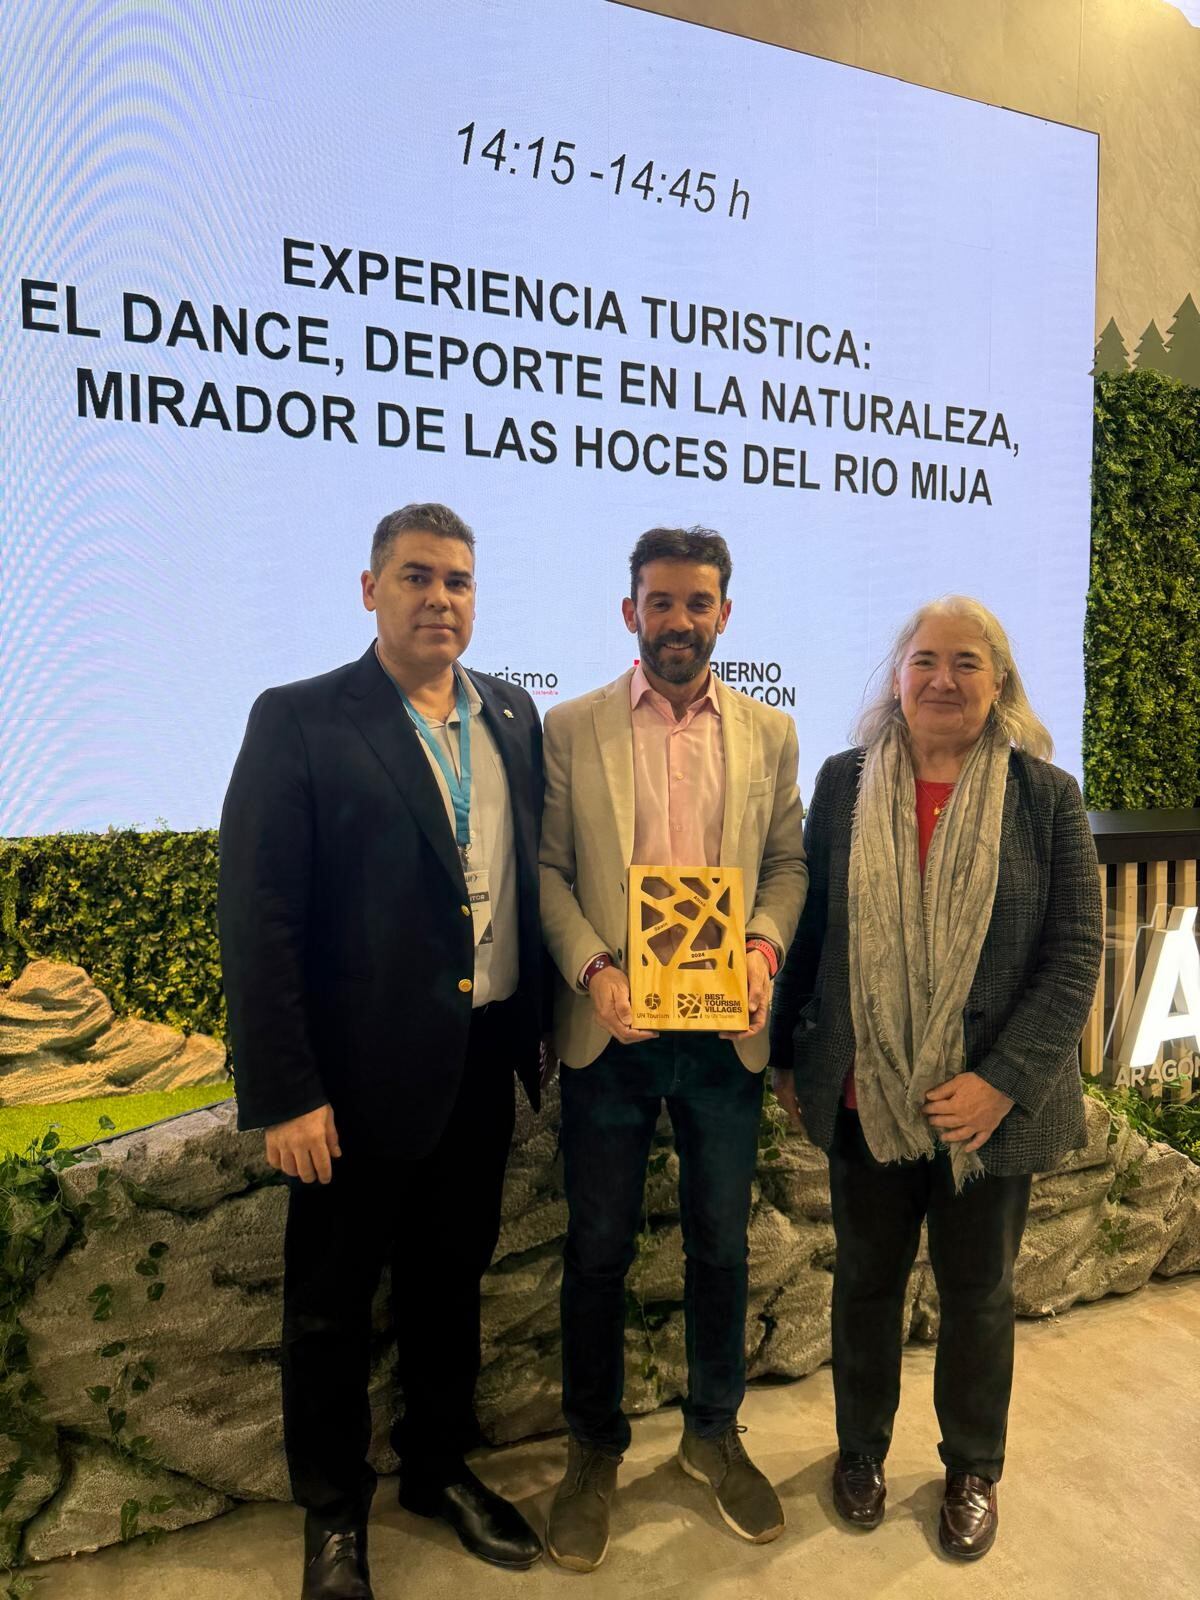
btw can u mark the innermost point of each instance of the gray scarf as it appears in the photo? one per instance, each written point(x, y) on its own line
point(914, 949)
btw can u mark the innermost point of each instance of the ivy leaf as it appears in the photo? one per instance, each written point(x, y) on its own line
point(109, 1350)
point(130, 1512)
point(101, 1299)
point(107, 1124)
point(155, 1291)
point(99, 1393)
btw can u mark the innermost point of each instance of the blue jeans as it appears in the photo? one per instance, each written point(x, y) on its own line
point(609, 1111)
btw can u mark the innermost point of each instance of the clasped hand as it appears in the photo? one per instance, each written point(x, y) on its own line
point(966, 1109)
point(305, 1146)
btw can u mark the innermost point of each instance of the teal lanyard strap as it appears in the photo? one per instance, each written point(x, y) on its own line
point(458, 783)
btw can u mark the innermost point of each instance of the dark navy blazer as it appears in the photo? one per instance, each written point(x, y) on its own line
point(343, 940)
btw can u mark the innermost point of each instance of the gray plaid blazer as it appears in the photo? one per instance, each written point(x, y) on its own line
point(1033, 987)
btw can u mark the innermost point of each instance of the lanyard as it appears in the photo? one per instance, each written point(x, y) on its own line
point(458, 783)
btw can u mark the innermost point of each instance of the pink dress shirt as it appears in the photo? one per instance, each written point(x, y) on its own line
point(678, 778)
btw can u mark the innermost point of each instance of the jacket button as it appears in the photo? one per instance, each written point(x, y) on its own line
point(466, 910)
point(464, 986)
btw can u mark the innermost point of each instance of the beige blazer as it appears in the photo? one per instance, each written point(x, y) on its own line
point(587, 842)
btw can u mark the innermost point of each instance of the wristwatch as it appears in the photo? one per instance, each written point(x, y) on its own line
point(767, 950)
point(595, 965)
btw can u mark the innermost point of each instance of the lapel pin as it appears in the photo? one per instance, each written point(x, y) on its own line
point(508, 713)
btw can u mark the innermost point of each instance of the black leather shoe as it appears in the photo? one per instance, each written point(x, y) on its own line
point(859, 1490)
point(335, 1564)
point(970, 1516)
point(486, 1525)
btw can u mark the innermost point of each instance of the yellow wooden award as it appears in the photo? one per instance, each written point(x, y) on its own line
point(687, 948)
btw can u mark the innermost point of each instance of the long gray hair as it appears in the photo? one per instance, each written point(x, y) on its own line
point(1013, 713)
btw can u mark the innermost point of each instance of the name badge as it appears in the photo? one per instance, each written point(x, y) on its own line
point(479, 897)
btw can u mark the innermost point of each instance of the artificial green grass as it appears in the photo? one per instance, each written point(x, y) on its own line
point(79, 1120)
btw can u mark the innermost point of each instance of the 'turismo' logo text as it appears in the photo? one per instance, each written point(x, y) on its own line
point(537, 683)
point(761, 680)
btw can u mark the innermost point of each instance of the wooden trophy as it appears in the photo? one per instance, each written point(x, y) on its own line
point(687, 948)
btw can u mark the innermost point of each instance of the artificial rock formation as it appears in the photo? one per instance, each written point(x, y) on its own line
point(154, 1332)
point(59, 1041)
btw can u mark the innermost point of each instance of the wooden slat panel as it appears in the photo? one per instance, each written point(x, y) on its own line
point(1155, 916)
point(1185, 895)
point(1124, 933)
point(1093, 1033)
point(1185, 883)
point(1157, 894)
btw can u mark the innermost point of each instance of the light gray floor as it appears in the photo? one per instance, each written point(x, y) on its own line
point(1100, 1499)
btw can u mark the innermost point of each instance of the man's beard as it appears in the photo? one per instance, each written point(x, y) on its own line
point(675, 666)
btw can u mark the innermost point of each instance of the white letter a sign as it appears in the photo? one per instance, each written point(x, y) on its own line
point(1171, 978)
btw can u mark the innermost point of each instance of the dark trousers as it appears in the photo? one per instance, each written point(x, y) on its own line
point(974, 1237)
point(609, 1111)
point(434, 1222)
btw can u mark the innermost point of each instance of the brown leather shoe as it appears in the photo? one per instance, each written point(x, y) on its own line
point(859, 1490)
point(967, 1528)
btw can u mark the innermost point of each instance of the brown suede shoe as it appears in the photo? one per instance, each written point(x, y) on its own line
point(577, 1531)
point(967, 1528)
point(859, 1490)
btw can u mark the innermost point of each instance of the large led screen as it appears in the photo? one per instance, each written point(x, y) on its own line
point(272, 270)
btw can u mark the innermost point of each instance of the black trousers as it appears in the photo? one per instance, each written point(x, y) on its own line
point(435, 1222)
point(974, 1237)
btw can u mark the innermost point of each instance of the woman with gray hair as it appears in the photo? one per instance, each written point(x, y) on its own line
point(926, 1024)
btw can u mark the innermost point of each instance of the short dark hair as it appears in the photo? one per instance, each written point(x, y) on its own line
point(427, 518)
point(699, 545)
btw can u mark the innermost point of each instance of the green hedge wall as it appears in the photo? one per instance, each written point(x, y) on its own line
point(1141, 726)
point(139, 910)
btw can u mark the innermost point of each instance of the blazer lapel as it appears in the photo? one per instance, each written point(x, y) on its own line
point(613, 721)
point(737, 736)
point(374, 707)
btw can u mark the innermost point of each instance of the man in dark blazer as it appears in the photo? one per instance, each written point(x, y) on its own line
point(381, 951)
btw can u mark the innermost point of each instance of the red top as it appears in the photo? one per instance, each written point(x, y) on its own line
point(932, 799)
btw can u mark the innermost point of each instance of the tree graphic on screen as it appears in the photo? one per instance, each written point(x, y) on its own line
point(1183, 348)
point(1151, 353)
point(1111, 354)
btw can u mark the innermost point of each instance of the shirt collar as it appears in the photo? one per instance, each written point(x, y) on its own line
point(474, 703)
point(640, 686)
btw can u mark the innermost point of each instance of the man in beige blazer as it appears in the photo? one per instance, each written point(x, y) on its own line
point(667, 766)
